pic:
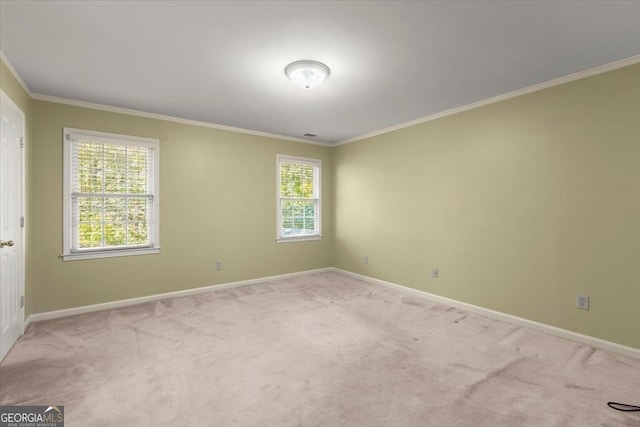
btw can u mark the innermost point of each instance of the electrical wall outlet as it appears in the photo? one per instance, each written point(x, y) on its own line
point(435, 273)
point(582, 302)
point(366, 259)
point(218, 265)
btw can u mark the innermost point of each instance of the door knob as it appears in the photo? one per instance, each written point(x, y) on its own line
point(4, 243)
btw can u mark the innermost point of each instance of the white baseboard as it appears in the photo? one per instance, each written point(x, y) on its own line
point(552, 330)
point(541, 327)
point(38, 317)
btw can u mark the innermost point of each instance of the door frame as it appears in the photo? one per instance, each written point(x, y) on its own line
point(6, 100)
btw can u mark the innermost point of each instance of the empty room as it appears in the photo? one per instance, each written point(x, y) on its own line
point(320, 213)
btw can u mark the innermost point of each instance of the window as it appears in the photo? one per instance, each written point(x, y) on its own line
point(299, 207)
point(110, 195)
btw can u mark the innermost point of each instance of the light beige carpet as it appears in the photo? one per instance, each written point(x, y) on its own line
point(319, 350)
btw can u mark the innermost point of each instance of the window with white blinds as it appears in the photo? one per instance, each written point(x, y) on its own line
point(111, 195)
point(299, 203)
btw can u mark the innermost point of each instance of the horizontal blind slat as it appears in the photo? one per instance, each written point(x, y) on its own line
point(114, 174)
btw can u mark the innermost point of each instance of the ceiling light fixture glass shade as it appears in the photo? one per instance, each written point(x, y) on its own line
point(307, 74)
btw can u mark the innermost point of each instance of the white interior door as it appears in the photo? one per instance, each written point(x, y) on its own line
point(12, 254)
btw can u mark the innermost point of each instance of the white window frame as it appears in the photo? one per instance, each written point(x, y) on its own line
point(69, 253)
point(317, 164)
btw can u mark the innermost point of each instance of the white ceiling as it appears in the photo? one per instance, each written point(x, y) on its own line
point(223, 62)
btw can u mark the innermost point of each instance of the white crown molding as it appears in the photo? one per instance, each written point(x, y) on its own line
point(529, 89)
point(15, 73)
point(130, 112)
point(38, 317)
point(83, 104)
point(496, 315)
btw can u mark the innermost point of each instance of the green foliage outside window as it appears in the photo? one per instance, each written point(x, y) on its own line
point(296, 180)
point(112, 199)
point(297, 184)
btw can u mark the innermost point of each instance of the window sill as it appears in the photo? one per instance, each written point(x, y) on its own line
point(297, 239)
point(109, 254)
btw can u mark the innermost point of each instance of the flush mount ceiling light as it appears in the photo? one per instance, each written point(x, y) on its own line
point(307, 74)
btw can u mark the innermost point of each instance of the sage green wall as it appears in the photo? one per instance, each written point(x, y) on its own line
point(10, 85)
point(521, 204)
point(217, 201)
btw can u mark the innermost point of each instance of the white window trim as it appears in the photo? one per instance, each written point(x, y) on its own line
point(301, 160)
point(67, 254)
